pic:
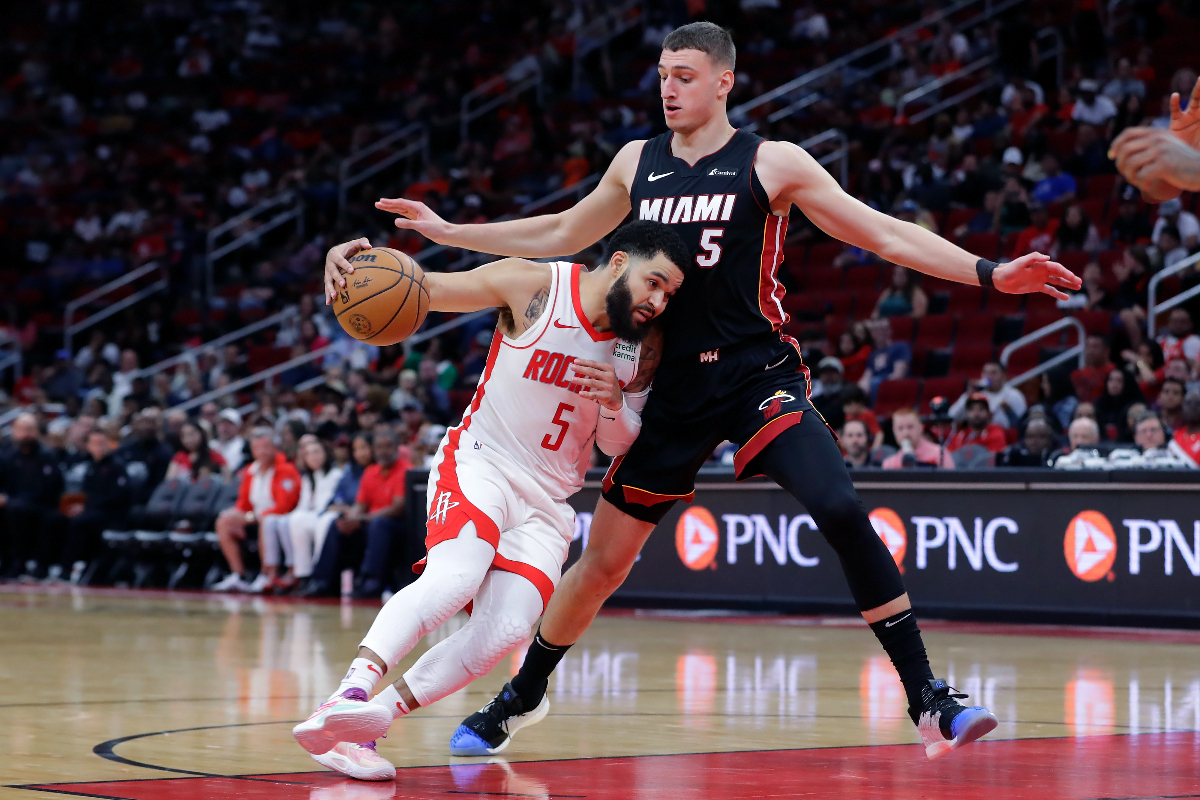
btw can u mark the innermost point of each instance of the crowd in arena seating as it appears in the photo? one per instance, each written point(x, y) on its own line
point(128, 147)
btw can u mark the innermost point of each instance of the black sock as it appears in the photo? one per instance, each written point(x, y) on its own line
point(531, 681)
point(901, 639)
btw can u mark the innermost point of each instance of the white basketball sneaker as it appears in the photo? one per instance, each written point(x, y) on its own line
point(347, 717)
point(359, 761)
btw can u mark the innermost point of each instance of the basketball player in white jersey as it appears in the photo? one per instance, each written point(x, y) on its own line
point(564, 371)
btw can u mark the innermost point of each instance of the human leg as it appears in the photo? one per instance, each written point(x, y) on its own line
point(231, 529)
point(381, 535)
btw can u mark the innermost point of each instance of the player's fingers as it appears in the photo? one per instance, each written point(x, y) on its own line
point(406, 223)
point(1063, 276)
point(1055, 293)
point(587, 362)
point(1176, 112)
point(330, 294)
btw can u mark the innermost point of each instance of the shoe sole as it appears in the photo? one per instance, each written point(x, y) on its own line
point(536, 716)
point(365, 724)
point(340, 764)
point(980, 725)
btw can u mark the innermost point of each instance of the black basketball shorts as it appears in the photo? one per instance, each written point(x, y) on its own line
point(745, 394)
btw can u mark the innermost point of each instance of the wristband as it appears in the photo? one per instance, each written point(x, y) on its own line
point(984, 269)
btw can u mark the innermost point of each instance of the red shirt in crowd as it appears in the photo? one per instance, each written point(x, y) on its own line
point(378, 488)
point(1034, 238)
point(992, 437)
point(184, 459)
point(1189, 443)
point(1089, 382)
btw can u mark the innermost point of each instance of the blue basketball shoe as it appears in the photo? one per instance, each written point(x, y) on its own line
point(489, 730)
point(946, 724)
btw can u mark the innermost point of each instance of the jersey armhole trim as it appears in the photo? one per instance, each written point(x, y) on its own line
point(576, 269)
point(752, 176)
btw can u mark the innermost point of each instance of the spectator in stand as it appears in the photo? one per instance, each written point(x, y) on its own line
point(1092, 296)
point(1171, 213)
point(1132, 223)
point(195, 459)
point(1084, 434)
point(1186, 442)
point(311, 547)
point(122, 381)
point(1084, 411)
point(1075, 233)
point(1006, 403)
point(1039, 235)
point(889, 360)
point(1124, 83)
point(1179, 341)
point(903, 297)
point(1170, 251)
point(31, 484)
point(1170, 402)
point(853, 350)
point(1120, 391)
point(979, 428)
point(146, 448)
point(1033, 450)
point(106, 502)
point(855, 440)
point(1089, 380)
point(854, 408)
point(1149, 433)
point(229, 442)
point(1092, 108)
point(308, 524)
point(827, 391)
point(1057, 186)
point(1133, 273)
point(1147, 366)
point(433, 398)
point(915, 447)
point(270, 486)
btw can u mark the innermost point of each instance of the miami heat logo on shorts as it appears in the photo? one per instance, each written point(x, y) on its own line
point(774, 404)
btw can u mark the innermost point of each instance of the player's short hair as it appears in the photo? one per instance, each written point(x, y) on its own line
point(645, 238)
point(706, 37)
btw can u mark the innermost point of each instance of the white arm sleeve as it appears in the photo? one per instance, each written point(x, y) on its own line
point(615, 433)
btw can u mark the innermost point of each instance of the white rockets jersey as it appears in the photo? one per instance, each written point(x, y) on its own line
point(526, 406)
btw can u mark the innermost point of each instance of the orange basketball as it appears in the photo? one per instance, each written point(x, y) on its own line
point(384, 300)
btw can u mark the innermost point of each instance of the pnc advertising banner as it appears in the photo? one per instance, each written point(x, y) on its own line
point(1112, 553)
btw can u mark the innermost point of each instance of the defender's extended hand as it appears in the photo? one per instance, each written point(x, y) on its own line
point(599, 382)
point(415, 216)
point(1186, 124)
point(337, 264)
point(1035, 273)
point(1152, 157)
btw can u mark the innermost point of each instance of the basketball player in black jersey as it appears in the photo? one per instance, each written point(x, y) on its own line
point(726, 371)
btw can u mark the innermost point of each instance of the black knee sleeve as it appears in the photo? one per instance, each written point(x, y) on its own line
point(806, 462)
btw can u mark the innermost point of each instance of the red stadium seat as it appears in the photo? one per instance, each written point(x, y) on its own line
point(1075, 261)
point(935, 331)
point(984, 245)
point(1095, 321)
point(822, 279)
point(949, 388)
point(1022, 361)
point(893, 395)
point(957, 217)
point(965, 299)
point(1101, 187)
point(968, 359)
point(864, 302)
point(863, 277)
point(822, 255)
point(902, 328)
point(978, 328)
point(1040, 318)
point(1094, 208)
point(1004, 305)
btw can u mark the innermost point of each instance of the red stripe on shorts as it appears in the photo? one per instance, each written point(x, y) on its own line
point(539, 579)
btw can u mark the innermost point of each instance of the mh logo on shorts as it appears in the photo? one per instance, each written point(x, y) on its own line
point(441, 507)
point(774, 404)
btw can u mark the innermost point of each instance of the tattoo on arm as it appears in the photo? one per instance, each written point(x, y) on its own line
point(536, 306)
point(647, 366)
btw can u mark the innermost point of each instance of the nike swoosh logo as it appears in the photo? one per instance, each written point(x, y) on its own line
point(776, 364)
point(897, 621)
point(651, 178)
point(565, 327)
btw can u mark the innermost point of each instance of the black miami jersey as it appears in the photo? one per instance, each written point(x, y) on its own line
point(721, 211)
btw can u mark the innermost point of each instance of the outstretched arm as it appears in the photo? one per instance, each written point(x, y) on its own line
point(791, 175)
point(559, 234)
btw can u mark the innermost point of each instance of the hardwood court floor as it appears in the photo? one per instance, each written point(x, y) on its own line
point(150, 695)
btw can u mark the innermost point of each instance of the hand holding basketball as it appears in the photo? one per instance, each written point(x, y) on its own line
point(415, 216)
point(1035, 272)
point(337, 266)
point(382, 299)
point(599, 382)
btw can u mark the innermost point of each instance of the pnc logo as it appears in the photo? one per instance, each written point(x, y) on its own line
point(890, 528)
point(1090, 546)
point(696, 538)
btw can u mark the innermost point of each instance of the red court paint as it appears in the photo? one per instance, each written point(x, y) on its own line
point(1087, 768)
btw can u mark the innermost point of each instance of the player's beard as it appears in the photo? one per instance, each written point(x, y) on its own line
point(619, 305)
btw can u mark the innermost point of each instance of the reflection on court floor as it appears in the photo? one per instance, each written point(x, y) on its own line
point(149, 695)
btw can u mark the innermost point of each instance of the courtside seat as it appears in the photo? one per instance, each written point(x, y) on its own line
point(205, 499)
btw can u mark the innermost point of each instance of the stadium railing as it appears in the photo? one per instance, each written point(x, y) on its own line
point(599, 31)
point(1075, 352)
point(71, 327)
point(494, 93)
point(740, 114)
point(1057, 52)
point(1153, 307)
point(409, 144)
point(266, 216)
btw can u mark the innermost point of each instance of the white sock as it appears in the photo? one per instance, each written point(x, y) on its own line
point(364, 674)
point(391, 698)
